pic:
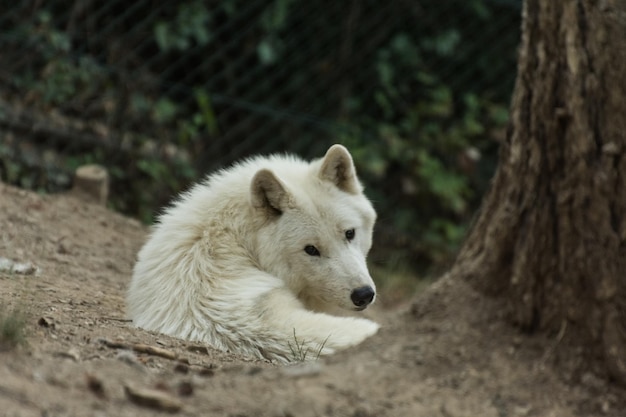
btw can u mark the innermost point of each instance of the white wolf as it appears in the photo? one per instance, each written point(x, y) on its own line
point(255, 259)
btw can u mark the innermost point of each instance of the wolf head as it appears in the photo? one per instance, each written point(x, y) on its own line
point(317, 230)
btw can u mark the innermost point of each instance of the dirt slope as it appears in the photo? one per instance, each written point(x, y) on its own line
point(450, 355)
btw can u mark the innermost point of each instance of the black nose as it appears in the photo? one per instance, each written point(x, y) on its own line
point(362, 296)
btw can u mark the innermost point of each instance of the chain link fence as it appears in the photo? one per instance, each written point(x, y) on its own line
point(161, 92)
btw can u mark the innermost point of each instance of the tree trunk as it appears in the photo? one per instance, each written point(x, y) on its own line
point(551, 234)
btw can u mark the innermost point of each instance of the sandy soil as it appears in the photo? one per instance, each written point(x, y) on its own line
point(449, 353)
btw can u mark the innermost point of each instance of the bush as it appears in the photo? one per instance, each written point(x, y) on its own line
point(163, 92)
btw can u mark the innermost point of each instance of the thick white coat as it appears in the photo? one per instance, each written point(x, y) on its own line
point(226, 265)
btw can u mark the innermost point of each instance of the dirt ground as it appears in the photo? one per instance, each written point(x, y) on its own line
point(449, 353)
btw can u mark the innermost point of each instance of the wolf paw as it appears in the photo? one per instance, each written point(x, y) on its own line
point(350, 332)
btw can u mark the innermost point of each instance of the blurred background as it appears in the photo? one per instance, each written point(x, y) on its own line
point(162, 92)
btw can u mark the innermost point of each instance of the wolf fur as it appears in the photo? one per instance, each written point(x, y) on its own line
point(230, 263)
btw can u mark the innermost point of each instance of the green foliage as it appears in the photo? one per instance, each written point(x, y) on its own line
point(444, 44)
point(164, 91)
point(59, 77)
point(273, 20)
point(421, 165)
point(204, 119)
point(188, 26)
point(12, 325)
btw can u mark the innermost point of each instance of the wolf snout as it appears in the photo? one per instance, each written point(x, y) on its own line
point(362, 297)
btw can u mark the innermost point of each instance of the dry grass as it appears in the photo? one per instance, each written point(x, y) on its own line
point(300, 351)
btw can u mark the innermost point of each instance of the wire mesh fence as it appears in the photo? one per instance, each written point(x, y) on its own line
point(161, 92)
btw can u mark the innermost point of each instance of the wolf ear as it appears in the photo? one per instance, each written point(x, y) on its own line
point(338, 168)
point(269, 193)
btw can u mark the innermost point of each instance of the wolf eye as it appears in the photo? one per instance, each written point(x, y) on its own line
point(311, 250)
point(350, 234)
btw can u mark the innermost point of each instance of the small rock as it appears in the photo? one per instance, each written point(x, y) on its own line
point(181, 368)
point(206, 372)
point(185, 389)
point(70, 354)
point(591, 380)
point(302, 370)
point(47, 322)
point(6, 265)
point(62, 248)
point(522, 410)
point(129, 358)
point(95, 385)
point(198, 349)
point(155, 399)
point(25, 268)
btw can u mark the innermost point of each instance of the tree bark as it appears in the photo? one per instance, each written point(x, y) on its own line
point(551, 234)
